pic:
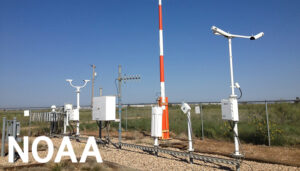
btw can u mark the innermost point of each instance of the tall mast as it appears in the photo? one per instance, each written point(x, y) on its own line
point(164, 103)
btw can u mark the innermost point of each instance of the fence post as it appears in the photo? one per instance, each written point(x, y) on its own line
point(3, 137)
point(268, 127)
point(202, 128)
point(29, 133)
point(126, 117)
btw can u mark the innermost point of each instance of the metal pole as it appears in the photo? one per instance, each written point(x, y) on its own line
point(78, 107)
point(237, 167)
point(267, 117)
point(93, 80)
point(190, 131)
point(165, 120)
point(231, 67)
point(236, 143)
point(100, 122)
point(126, 118)
point(51, 123)
point(202, 126)
point(235, 128)
point(65, 125)
point(190, 135)
point(120, 102)
point(161, 47)
point(14, 134)
point(3, 137)
point(29, 133)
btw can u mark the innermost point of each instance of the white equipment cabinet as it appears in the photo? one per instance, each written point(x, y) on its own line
point(156, 122)
point(104, 108)
point(230, 109)
point(74, 115)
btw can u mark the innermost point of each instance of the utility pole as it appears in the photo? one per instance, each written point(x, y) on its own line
point(119, 91)
point(93, 80)
point(120, 101)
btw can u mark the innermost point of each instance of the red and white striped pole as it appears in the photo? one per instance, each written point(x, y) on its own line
point(164, 100)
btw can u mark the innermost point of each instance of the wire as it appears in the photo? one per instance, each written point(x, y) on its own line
point(241, 93)
point(242, 151)
point(235, 134)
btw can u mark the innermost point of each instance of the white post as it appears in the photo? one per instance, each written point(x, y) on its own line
point(66, 121)
point(235, 128)
point(190, 131)
point(78, 108)
point(231, 67)
point(156, 141)
point(236, 142)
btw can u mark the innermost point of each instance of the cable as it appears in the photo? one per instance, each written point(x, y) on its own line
point(242, 151)
point(241, 94)
point(235, 134)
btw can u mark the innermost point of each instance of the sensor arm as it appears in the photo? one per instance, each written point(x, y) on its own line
point(85, 82)
point(240, 36)
point(70, 81)
point(221, 32)
point(218, 31)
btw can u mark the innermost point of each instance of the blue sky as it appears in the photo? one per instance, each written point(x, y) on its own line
point(44, 42)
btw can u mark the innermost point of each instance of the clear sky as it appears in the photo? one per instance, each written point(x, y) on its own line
point(42, 43)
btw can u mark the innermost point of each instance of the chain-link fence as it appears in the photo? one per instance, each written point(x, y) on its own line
point(260, 122)
point(38, 123)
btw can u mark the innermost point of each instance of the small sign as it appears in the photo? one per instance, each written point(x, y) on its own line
point(197, 109)
point(26, 112)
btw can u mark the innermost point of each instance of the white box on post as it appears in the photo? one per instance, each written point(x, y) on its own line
point(74, 115)
point(68, 107)
point(230, 109)
point(26, 112)
point(104, 108)
point(197, 110)
point(156, 121)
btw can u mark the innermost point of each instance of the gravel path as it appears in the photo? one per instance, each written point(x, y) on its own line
point(143, 161)
point(139, 160)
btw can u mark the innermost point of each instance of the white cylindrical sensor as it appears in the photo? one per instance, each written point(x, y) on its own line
point(156, 121)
